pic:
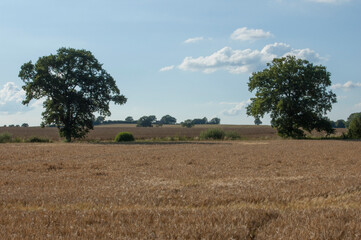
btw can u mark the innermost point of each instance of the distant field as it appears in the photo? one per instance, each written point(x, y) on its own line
point(279, 189)
point(108, 132)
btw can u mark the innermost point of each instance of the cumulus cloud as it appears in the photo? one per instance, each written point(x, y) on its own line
point(245, 61)
point(11, 97)
point(167, 68)
point(11, 93)
point(347, 86)
point(245, 34)
point(236, 109)
point(193, 40)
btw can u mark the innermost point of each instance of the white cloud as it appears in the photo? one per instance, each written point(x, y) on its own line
point(245, 61)
point(168, 68)
point(330, 1)
point(11, 93)
point(347, 86)
point(193, 40)
point(244, 34)
point(237, 108)
point(11, 97)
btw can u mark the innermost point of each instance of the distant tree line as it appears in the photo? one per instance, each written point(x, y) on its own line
point(199, 121)
point(345, 124)
point(151, 120)
point(22, 125)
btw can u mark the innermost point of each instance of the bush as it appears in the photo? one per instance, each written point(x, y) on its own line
point(5, 137)
point(354, 130)
point(213, 133)
point(124, 137)
point(37, 139)
point(233, 135)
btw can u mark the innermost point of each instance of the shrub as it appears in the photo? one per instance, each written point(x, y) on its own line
point(213, 133)
point(233, 135)
point(37, 139)
point(354, 130)
point(5, 137)
point(124, 137)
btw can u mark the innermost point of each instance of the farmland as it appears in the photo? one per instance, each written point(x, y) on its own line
point(108, 132)
point(248, 189)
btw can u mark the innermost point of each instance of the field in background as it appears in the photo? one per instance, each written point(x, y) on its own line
point(108, 132)
point(280, 189)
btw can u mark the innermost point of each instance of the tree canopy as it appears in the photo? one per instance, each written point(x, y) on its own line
point(200, 121)
point(146, 121)
point(167, 119)
point(351, 117)
point(187, 123)
point(295, 93)
point(354, 130)
point(215, 121)
point(129, 119)
point(257, 121)
point(74, 87)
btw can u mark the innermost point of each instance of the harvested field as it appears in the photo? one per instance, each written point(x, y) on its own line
point(108, 132)
point(198, 190)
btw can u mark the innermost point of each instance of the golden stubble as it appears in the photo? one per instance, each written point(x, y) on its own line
point(222, 190)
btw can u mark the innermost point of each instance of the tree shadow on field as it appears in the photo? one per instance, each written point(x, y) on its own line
point(163, 143)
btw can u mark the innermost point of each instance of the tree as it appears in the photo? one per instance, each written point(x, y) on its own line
point(257, 121)
point(351, 117)
point(24, 125)
point(129, 119)
point(215, 121)
point(167, 119)
point(74, 85)
point(187, 123)
point(200, 120)
point(146, 121)
point(340, 123)
point(354, 130)
point(99, 120)
point(295, 94)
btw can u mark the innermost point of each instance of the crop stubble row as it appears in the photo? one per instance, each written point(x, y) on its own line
point(241, 190)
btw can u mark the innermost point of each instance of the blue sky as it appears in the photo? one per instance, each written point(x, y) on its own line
point(189, 59)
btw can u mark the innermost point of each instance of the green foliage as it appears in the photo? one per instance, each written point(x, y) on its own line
point(124, 137)
point(5, 137)
point(354, 129)
point(200, 120)
point(295, 94)
point(74, 86)
point(99, 120)
point(38, 139)
point(129, 119)
point(213, 133)
point(215, 121)
point(351, 117)
point(257, 121)
point(24, 125)
point(187, 123)
point(232, 135)
point(17, 140)
point(167, 119)
point(340, 124)
point(146, 121)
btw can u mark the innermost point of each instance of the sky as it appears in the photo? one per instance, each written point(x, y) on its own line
point(189, 59)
